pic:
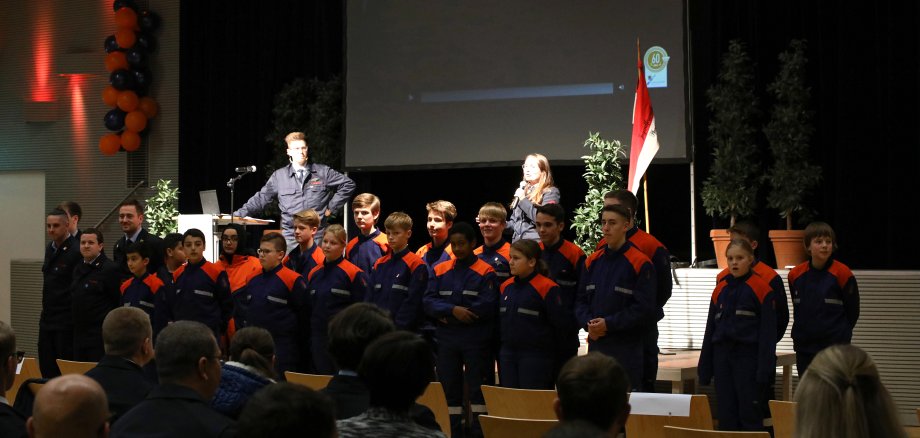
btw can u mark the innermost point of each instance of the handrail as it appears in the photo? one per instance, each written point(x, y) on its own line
point(106, 217)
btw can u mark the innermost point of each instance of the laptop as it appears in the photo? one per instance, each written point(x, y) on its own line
point(209, 204)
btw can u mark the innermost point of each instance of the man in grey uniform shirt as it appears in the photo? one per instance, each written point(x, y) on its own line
point(300, 186)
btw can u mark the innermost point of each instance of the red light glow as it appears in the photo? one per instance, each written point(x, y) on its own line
point(43, 42)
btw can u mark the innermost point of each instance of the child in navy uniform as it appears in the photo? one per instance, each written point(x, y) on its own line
point(399, 279)
point(144, 290)
point(531, 312)
point(202, 288)
point(307, 254)
point(739, 345)
point(825, 297)
point(370, 244)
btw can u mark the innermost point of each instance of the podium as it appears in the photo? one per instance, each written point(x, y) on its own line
point(208, 223)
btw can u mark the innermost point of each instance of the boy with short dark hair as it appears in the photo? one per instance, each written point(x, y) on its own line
point(276, 300)
point(370, 244)
point(565, 262)
point(202, 288)
point(494, 249)
point(616, 296)
point(307, 254)
point(144, 291)
point(463, 298)
point(173, 256)
point(399, 279)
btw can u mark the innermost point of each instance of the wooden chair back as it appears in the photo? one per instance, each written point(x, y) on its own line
point(783, 413)
point(29, 370)
point(501, 427)
point(530, 404)
point(313, 381)
point(683, 432)
point(74, 367)
point(434, 399)
point(652, 426)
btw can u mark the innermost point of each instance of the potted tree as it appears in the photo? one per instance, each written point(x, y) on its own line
point(603, 173)
point(730, 191)
point(791, 178)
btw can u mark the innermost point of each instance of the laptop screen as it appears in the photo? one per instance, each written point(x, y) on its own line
point(209, 204)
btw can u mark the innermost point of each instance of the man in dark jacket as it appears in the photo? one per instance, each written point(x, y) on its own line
point(94, 292)
point(188, 366)
point(131, 217)
point(55, 334)
point(126, 332)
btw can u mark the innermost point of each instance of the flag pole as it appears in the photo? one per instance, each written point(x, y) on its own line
point(648, 227)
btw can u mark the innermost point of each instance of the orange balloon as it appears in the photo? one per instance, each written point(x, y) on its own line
point(115, 61)
point(130, 140)
point(110, 95)
point(126, 18)
point(148, 106)
point(127, 101)
point(125, 38)
point(135, 121)
point(109, 144)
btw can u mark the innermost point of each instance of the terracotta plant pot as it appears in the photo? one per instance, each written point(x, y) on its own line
point(720, 239)
point(789, 247)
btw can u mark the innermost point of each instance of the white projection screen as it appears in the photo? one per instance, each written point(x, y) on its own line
point(464, 83)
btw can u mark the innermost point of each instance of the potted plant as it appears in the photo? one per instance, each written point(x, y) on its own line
point(162, 211)
point(603, 173)
point(730, 191)
point(791, 178)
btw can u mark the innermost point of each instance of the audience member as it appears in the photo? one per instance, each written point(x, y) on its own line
point(842, 396)
point(12, 423)
point(55, 325)
point(251, 367)
point(576, 429)
point(94, 292)
point(593, 388)
point(127, 335)
point(397, 369)
point(286, 410)
point(72, 406)
point(188, 364)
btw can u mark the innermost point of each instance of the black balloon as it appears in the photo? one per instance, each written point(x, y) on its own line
point(148, 21)
point(136, 57)
point(118, 4)
point(122, 80)
point(110, 44)
point(146, 42)
point(114, 119)
point(142, 81)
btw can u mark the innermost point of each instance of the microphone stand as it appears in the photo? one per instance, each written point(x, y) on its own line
point(231, 183)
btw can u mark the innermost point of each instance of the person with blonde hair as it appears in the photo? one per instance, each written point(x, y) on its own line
point(842, 396)
point(536, 189)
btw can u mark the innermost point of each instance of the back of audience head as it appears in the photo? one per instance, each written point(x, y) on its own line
point(187, 354)
point(593, 388)
point(254, 347)
point(842, 396)
point(576, 429)
point(72, 405)
point(397, 369)
point(126, 332)
point(353, 329)
point(8, 357)
point(284, 410)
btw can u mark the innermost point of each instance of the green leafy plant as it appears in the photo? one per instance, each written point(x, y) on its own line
point(162, 210)
point(735, 177)
point(603, 173)
point(788, 133)
point(316, 108)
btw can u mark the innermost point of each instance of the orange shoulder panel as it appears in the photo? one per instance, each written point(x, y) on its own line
point(154, 283)
point(723, 275)
point(413, 261)
point(318, 256)
point(479, 249)
point(423, 249)
point(841, 272)
point(351, 244)
point(505, 251)
point(381, 241)
point(591, 258)
point(760, 287)
point(501, 289)
point(288, 276)
point(542, 284)
point(125, 284)
point(636, 258)
point(571, 252)
point(764, 271)
point(178, 272)
point(212, 270)
point(382, 260)
point(717, 291)
point(797, 271)
point(481, 267)
point(444, 267)
point(313, 271)
point(350, 269)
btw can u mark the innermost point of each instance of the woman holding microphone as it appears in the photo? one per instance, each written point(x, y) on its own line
point(536, 189)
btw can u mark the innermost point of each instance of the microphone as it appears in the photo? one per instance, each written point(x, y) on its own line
point(246, 169)
point(514, 202)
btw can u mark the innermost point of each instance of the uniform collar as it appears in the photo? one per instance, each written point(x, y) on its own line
point(134, 236)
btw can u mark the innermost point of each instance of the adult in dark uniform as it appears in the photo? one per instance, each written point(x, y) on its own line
point(74, 214)
point(188, 365)
point(300, 186)
point(127, 333)
point(55, 333)
point(95, 291)
point(12, 423)
point(131, 217)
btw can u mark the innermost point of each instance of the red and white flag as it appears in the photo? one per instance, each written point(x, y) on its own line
point(644, 143)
